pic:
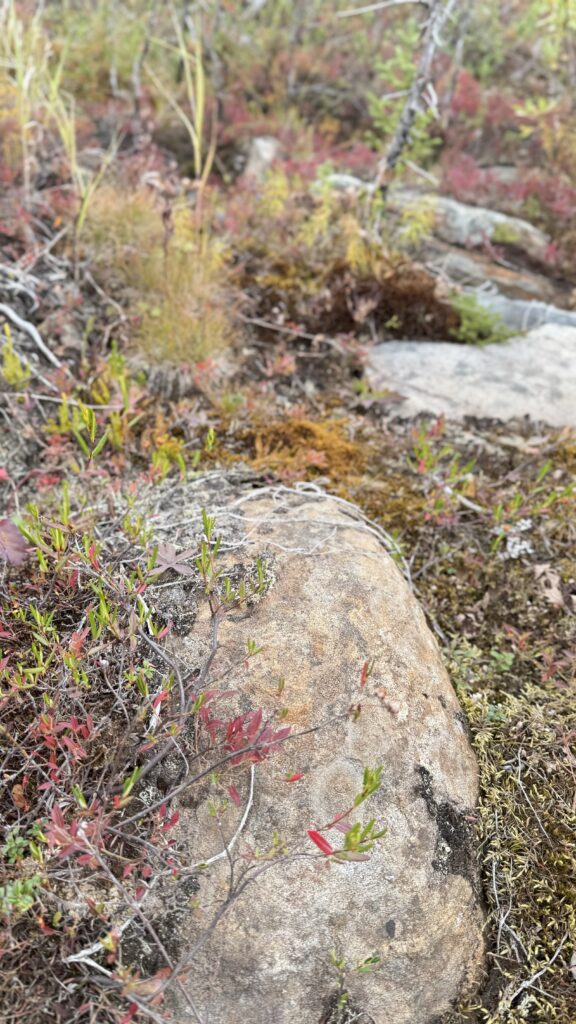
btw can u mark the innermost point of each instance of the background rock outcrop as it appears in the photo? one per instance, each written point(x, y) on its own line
point(533, 375)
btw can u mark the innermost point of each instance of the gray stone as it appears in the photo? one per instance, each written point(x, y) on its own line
point(533, 376)
point(474, 226)
point(346, 183)
point(474, 269)
point(336, 598)
point(264, 150)
point(524, 315)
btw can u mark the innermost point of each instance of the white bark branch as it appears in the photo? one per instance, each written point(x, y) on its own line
point(31, 331)
point(440, 12)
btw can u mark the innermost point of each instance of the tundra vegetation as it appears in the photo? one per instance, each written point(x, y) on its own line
point(164, 313)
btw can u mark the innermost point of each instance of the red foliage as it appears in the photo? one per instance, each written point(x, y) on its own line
point(320, 842)
point(467, 98)
point(462, 176)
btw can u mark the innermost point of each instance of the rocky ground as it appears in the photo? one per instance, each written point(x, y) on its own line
point(411, 365)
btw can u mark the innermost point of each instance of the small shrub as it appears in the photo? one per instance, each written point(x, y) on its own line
point(171, 269)
point(478, 326)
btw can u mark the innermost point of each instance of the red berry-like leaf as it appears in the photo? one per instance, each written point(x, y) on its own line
point(320, 842)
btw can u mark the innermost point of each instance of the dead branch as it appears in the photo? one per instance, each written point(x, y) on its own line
point(384, 5)
point(31, 331)
point(440, 12)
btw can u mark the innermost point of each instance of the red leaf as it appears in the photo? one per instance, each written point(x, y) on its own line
point(44, 927)
point(295, 777)
point(234, 795)
point(3, 473)
point(132, 1011)
point(159, 698)
point(171, 821)
point(13, 547)
point(76, 749)
point(364, 675)
point(320, 842)
point(57, 816)
point(342, 826)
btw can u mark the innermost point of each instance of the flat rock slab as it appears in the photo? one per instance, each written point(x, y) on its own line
point(335, 599)
point(533, 375)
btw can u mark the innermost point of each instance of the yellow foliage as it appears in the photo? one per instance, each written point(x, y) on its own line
point(173, 271)
point(275, 194)
point(416, 224)
point(15, 371)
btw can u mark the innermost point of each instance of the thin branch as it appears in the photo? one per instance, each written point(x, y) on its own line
point(226, 851)
point(32, 332)
point(440, 12)
point(384, 5)
point(530, 981)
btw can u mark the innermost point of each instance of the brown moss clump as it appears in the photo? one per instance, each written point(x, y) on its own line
point(300, 447)
point(320, 258)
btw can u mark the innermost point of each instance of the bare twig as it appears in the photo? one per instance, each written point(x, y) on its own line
point(530, 981)
point(382, 6)
point(229, 846)
point(32, 332)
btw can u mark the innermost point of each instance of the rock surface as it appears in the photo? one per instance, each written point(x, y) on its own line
point(475, 226)
point(474, 269)
point(264, 150)
point(524, 315)
point(533, 376)
point(336, 598)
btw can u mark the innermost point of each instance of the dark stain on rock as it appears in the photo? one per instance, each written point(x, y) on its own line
point(463, 721)
point(390, 927)
point(454, 853)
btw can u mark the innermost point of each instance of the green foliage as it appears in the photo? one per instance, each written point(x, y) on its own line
point(20, 895)
point(394, 76)
point(478, 326)
point(15, 371)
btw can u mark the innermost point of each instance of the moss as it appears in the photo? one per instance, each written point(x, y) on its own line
point(297, 447)
point(527, 823)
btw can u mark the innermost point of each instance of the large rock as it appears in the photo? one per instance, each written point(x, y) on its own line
point(474, 226)
point(336, 599)
point(533, 376)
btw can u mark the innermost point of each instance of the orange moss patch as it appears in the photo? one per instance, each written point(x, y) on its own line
point(300, 447)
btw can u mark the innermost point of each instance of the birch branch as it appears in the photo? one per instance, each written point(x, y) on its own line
point(440, 12)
